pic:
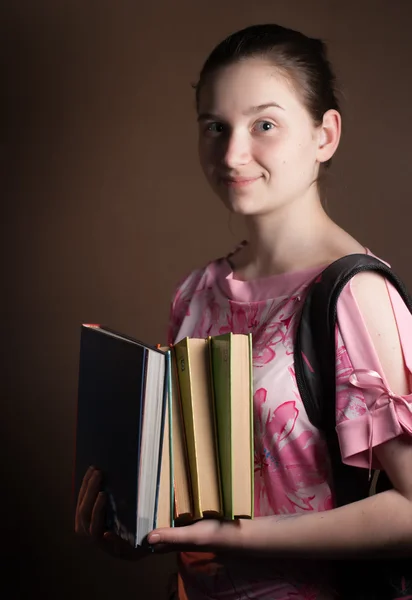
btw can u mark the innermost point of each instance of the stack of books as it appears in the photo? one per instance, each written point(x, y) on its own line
point(171, 428)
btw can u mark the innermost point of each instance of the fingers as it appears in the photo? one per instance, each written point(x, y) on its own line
point(171, 536)
point(207, 536)
point(84, 485)
point(85, 506)
point(97, 521)
point(90, 519)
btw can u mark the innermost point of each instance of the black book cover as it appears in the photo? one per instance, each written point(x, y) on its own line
point(109, 419)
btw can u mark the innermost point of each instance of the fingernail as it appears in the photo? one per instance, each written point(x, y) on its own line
point(153, 538)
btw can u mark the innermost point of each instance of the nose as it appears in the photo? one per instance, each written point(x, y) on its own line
point(236, 151)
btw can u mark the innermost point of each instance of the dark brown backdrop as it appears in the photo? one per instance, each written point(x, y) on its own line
point(105, 208)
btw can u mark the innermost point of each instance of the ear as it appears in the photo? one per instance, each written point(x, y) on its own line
point(329, 134)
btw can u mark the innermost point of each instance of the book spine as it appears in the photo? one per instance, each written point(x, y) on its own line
point(229, 358)
point(139, 438)
point(180, 448)
point(183, 368)
point(215, 419)
point(171, 458)
point(252, 429)
point(162, 428)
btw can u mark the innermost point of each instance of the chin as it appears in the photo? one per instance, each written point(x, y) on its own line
point(243, 205)
point(245, 211)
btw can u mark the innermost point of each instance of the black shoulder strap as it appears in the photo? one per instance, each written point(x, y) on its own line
point(315, 359)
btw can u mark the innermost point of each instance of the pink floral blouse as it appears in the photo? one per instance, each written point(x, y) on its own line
point(291, 464)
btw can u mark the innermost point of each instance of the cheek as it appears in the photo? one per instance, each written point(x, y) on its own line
point(267, 152)
point(299, 155)
point(205, 151)
point(307, 157)
point(208, 159)
point(203, 155)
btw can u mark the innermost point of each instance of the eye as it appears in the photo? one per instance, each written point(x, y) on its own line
point(214, 127)
point(262, 126)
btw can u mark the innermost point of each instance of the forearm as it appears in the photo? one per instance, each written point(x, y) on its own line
point(377, 526)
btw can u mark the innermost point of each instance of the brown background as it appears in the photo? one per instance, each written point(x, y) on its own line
point(105, 208)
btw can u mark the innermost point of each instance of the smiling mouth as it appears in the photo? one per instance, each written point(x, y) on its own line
point(239, 182)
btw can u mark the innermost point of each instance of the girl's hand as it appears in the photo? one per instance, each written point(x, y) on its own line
point(91, 517)
point(204, 536)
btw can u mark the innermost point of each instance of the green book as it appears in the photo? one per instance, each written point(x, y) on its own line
point(231, 359)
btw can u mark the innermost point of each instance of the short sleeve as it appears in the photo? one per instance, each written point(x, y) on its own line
point(374, 352)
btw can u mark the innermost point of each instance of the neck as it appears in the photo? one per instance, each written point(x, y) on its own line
point(289, 238)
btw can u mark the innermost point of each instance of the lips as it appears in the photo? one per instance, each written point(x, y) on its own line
point(239, 181)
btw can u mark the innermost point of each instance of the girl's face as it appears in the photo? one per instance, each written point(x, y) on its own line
point(258, 145)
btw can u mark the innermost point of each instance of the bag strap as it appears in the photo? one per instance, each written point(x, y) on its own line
point(315, 360)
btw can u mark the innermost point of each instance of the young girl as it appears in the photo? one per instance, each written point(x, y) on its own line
point(269, 125)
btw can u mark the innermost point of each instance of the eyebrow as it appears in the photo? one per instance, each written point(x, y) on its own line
point(249, 111)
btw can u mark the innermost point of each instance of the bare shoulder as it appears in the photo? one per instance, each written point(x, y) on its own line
point(370, 286)
point(372, 297)
point(371, 294)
